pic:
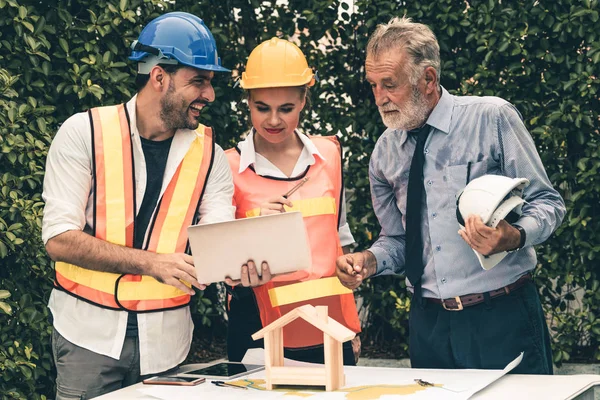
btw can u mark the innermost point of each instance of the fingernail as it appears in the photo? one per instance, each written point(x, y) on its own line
point(264, 266)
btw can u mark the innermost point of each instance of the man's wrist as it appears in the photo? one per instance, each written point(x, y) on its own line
point(522, 238)
point(144, 263)
point(370, 262)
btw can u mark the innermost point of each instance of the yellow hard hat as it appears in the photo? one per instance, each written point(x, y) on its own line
point(276, 63)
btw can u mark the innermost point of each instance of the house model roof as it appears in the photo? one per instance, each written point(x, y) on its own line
point(309, 313)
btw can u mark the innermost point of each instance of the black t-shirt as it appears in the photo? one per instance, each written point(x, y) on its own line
point(155, 154)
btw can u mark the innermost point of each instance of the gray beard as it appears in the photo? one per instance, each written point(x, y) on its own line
point(411, 116)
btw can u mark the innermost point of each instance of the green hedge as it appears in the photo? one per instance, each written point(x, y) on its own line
point(61, 57)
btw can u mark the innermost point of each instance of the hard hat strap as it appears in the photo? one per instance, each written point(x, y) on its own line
point(150, 61)
point(137, 46)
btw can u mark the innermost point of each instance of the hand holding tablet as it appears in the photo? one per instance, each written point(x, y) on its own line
point(220, 249)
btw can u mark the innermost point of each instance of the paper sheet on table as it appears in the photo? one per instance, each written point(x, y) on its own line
point(386, 384)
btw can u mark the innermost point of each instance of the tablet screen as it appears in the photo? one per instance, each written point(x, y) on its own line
point(225, 369)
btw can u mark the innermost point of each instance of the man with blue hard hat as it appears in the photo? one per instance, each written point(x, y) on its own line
point(122, 185)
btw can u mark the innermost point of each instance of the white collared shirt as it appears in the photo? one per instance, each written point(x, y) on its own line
point(164, 337)
point(262, 166)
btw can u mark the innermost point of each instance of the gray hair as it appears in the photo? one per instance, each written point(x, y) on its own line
point(417, 39)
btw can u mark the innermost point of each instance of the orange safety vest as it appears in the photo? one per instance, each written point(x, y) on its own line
point(114, 216)
point(319, 200)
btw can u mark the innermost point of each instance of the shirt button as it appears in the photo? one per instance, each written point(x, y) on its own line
point(443, 280)
point(426, 151)
point(434, 215)
point(384, 263)
point(438, 248)
point(429, 183)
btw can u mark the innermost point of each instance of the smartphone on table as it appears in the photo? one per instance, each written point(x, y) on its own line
point(174, 380)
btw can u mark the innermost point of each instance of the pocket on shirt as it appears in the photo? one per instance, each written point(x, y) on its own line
point(457, 177)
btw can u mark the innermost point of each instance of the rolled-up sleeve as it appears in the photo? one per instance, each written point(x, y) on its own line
point(544, 209)
point(217, 203)
point(68, 178)
point(389, 247)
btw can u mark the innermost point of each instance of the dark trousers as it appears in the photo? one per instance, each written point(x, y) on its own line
point(485, 336)
point(244, 321)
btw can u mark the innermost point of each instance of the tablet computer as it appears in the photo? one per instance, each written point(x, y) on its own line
point(219, 249)
point(174, 380)
point(223, 370)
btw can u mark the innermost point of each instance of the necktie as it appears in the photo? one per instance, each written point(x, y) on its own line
point(414, 200)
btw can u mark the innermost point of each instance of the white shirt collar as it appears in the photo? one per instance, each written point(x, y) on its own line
point(130, 105)
point(262, 166)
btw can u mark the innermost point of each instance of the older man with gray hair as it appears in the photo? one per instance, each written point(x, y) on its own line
point(461, 316)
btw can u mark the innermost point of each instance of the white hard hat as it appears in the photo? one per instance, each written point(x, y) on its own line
point(493, 198)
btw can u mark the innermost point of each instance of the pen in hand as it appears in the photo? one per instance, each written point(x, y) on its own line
point(292, 190)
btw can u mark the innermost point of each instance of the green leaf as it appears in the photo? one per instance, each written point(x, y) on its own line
point(4, 294)
point(93, 16)
point(581, 12)
point(63, 44)
point(28, 351)
point(40, 25)
point(41, 123)
point(6, 308)
point(28, 25)
point(26, 371)
point(3, 250)
point(14, 227)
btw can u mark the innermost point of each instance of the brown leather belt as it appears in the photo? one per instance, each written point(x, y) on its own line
point(459, 302)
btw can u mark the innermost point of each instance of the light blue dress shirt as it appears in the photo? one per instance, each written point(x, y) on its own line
point(488, 133)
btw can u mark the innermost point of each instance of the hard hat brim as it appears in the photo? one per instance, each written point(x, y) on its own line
point(247, 84)
point(489, 262)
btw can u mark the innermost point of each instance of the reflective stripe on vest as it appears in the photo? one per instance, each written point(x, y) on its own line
point(114, 204)
point(319, 201)
point(308, 290)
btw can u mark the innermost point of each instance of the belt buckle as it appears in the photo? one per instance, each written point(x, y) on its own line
point(459, 304)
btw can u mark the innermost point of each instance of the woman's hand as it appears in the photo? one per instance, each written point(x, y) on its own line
point(274, 205)
point(250, 276)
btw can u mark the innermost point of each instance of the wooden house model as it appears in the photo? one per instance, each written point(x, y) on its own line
point(330, 375)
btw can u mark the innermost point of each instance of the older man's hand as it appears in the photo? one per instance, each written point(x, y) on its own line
point(486, 240)
point(353, 268)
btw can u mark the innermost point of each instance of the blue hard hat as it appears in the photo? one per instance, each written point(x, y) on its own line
point(178, 36)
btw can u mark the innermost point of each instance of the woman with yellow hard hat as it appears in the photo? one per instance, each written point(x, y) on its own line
point(273, 159)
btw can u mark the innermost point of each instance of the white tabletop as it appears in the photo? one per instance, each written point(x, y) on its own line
point(512, 387)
